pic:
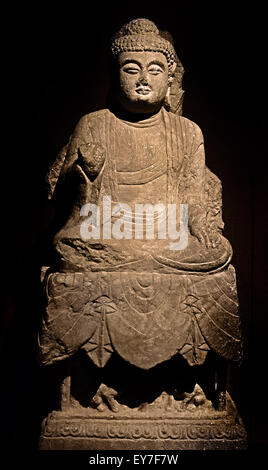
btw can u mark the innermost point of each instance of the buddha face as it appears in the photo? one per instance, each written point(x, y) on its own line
point(144, 81)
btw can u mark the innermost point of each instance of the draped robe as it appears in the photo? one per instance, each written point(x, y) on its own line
point(139, 297)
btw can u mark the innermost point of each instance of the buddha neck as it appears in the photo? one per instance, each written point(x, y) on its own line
point(138, 120)
point(150, 121)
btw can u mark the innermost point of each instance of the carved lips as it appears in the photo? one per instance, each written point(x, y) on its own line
point(143, 90)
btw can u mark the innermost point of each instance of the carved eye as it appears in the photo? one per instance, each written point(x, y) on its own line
point(131, 70)
point(155, 70)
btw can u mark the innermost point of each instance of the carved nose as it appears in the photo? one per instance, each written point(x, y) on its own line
point(143, 80)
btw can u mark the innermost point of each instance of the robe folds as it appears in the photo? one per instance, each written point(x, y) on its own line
point(137, 296)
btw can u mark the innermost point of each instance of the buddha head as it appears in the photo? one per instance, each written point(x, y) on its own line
point(146, 63)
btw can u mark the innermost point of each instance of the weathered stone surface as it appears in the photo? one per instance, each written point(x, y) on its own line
point(142, 271)
point(162, 429)
point(145, 319)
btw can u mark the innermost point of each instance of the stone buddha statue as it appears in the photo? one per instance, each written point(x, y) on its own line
point(142, 278)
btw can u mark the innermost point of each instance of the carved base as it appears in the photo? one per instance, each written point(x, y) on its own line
point(78, 430)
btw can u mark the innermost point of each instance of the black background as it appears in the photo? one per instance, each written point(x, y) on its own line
point(54, 70)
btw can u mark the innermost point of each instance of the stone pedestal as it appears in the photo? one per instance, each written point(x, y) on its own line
point(151, 429)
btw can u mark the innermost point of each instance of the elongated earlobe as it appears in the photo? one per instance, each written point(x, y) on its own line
point(167, 103)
